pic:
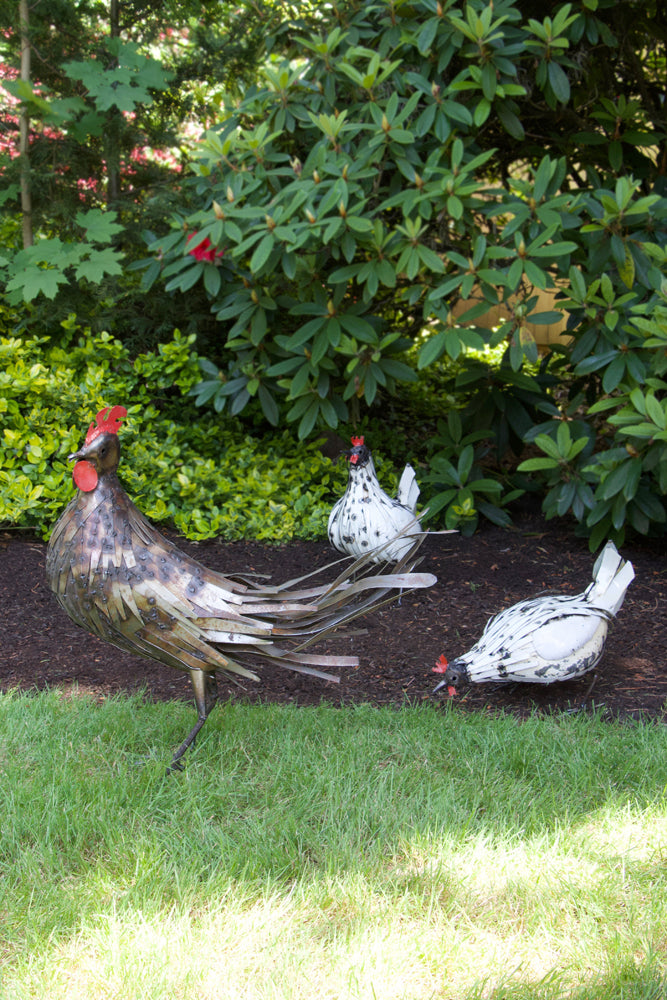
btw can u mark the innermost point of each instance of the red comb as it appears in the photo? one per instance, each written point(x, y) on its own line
point(108, 422)
point(356, 441)
point(440, 665)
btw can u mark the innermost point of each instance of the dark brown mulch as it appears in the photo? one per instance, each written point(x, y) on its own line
point(478, 576)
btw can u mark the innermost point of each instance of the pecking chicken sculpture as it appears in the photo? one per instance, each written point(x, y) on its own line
point(548, 638)
point(366, 521)
point(118, 577)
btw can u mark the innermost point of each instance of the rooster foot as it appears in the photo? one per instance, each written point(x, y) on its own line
point(582, 706)
point(206, 694)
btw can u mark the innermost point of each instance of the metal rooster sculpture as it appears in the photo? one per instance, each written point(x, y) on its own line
point(366, 521)
point(548, 638)
point(116, 576)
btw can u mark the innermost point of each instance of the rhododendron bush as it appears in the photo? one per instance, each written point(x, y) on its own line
point(384, 193)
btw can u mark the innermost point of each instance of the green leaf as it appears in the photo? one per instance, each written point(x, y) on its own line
point(494, 514)
point(37, 281)
point(633, 473)
point(618, 512)
point(187, 279)
point(358, 327)
point(269, 405)
point(100, 226)
point(614, 482)
point(602, 405)
point(212, 280)
point(386, 274)
point(615, 152)
point(613, 373)
point(262, 253)
point(510, 121)
point(578, 283)
point(432, 350)
point(548, 445)
point(554, 249)
point(655, 411)
point(348, 245)
point(455, 207)
point(328, 411)
point(563, 439)
point(626, 270)
point(398, 370)
point(545, 318)
point(303, 333)
point(489, 81)
point(430, 259)
point(359, 225)
point(536, 275)
point(308, 420)
point(99, 263)
point(542, 178)
point(481, 112)
point(514, 274)
point(427, 35)
point(594, 362)
point(466, 459)
point(537, 464)
point(559, 82)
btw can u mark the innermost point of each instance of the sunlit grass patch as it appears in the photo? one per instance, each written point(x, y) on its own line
point(316, 853)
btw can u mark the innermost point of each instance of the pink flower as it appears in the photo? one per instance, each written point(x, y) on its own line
point(204, 250)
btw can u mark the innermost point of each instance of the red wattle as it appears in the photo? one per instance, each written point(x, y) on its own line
point(84, 476)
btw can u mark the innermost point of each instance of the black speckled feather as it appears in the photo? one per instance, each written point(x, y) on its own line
point(366, 520)
point(552, 637)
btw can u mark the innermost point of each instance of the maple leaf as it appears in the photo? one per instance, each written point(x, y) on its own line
point(100, 226)
point(99, 263)
point(36, 281)
point(122, 86)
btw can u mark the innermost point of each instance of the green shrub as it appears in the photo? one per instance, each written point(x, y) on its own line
point(412, 156)
point(204, 475)
point(606, 450)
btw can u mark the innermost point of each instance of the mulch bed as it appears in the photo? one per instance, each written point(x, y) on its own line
point(477, 577)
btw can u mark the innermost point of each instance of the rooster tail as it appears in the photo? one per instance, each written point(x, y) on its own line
point(611, 578)
point(363, 587)
point(408, 489)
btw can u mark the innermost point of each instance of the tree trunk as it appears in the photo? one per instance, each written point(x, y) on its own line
point(113, 176)
point(24, 128)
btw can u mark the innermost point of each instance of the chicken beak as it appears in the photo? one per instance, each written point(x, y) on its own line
point(451, 690)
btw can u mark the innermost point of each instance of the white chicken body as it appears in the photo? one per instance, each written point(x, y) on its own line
point(548, 638)
point(366, 518)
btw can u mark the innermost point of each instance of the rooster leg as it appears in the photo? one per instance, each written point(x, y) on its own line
point(582, 706)
point(205, 691)
point(588, 691)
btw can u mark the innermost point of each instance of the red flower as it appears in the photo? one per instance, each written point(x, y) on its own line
point(204, 250)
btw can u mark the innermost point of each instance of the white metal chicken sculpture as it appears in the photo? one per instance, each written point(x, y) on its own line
point(366, 521)
point(546, 639)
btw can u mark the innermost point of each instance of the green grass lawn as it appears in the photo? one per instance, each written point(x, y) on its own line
point(323, 853)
